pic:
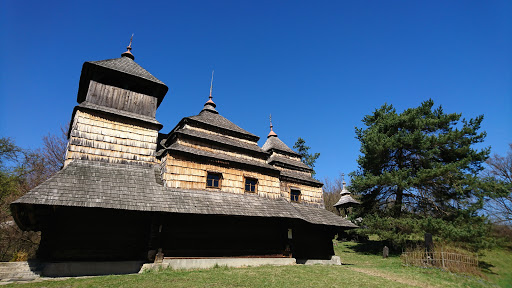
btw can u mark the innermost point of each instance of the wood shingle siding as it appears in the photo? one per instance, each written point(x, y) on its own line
point(99, 137)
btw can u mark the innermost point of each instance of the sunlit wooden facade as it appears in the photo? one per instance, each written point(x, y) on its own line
point(128, 191)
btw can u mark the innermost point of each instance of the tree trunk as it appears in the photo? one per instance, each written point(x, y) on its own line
point(398, 202)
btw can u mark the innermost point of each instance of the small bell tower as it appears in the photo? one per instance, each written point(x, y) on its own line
point(115, 119)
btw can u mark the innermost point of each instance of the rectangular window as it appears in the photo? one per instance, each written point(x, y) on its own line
point(251, 185)
point(295, 195)
point(213, 180)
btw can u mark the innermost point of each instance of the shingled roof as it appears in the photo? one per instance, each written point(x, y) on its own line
point(132, 187)
point(128, 66)
point(283, 161)
point(218, 156)
point(274, 143)
point(346, 200)
point(212, 119)
point(120, 72)
point(223, 140)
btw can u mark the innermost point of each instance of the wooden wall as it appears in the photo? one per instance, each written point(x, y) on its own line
point(96, 136)
point(118, 98)
point(308, 194)
point(179, 172)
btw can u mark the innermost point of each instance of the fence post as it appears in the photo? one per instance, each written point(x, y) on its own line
point(442, 256)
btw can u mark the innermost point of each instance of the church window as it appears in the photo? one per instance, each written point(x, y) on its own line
point(295, 195)
point(251, 185)
point(213, 180)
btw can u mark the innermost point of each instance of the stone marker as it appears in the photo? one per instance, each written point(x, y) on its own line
point(385, 252)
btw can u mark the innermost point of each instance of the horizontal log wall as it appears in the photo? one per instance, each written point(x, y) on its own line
point(182, 173)
point(118, 98)
point(105, 138)
point(308, 194)
point(217, 149)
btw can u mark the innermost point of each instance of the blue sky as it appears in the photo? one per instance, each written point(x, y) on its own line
point(318, 66)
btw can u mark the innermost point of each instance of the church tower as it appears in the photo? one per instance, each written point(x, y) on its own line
point(115, 119)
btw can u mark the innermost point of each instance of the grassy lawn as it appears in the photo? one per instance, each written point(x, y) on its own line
point(363, 267)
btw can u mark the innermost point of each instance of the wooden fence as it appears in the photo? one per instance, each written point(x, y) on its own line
point(445, 260)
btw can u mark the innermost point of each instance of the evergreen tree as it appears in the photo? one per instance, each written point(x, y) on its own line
point(303, 150)
point(420, 161)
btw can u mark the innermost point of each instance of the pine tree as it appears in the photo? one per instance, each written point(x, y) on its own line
point(420, 161)
point(303, 150)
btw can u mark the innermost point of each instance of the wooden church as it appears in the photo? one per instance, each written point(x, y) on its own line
point(205, 189)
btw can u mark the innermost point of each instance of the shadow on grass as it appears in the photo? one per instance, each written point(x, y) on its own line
point(486, 267)
point(371, 247)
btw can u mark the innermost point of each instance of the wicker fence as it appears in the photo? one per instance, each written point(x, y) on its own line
point(446, 260)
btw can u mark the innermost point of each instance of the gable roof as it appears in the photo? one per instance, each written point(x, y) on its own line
point(134, 187)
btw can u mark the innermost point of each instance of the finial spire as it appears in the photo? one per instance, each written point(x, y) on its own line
point(272, 133)
point(210, 101)
point(128, 52)
point(344, 190)
point(211, 86)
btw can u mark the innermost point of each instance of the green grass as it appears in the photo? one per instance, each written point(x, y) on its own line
point(363, 267)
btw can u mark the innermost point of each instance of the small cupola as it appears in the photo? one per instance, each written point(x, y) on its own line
point(346, 201)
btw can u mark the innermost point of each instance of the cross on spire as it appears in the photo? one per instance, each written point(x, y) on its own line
point(128, 52)
point(211, 86)
point(210, 101)
point(272, 133)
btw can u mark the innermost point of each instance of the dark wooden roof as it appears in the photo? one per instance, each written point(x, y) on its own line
point(175, 147)
point(346, 201)
point(274, 143)
point(286, 162)
point(121, 72)
point(253, 149)
point(218, 123)
point(300, 177)
point(135, 116)
point(134, 187)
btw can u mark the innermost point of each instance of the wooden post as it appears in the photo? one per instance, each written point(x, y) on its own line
point(442, 256)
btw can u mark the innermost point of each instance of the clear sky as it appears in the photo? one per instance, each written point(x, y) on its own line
point(317, 66)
